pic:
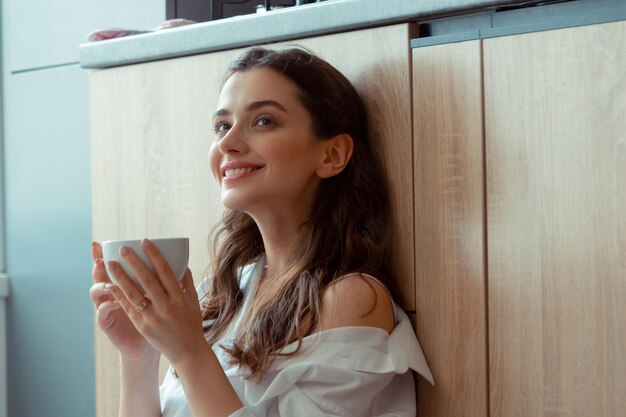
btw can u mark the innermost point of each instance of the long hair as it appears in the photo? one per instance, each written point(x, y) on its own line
point(348, 229)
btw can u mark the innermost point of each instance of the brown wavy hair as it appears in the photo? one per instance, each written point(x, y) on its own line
point(348, 229)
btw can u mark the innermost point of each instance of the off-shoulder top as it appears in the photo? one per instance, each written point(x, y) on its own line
point(348, 371)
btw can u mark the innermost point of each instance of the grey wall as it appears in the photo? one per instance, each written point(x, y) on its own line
point(47, 212)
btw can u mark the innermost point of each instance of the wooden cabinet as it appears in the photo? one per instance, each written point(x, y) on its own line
point(449, 225)
point(520, 196)
point(151, 129)
point(556, 221)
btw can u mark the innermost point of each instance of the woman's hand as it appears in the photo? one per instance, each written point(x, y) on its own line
point(112, 320)
point(168, 315)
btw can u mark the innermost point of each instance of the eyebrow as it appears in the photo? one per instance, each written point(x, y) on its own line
point(255, 105)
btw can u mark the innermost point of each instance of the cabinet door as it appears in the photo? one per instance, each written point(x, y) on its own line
point(555, 105)
point(151, 130)
point(449, 228)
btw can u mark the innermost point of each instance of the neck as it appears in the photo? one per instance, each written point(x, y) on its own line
point(279, 250)
point(281, 231)
point(280, 240)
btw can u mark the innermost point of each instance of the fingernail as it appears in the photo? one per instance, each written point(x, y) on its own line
point(124, 250)
point(110, 288)
point(146, 243)
point(112, 266)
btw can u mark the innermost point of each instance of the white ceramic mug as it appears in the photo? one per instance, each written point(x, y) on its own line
point(175, 251)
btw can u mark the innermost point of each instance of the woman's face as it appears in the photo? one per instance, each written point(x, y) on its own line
point(264, 155)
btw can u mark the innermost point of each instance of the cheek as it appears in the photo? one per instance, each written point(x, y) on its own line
point(215, 159)
point(302, 160)
point(291, 154)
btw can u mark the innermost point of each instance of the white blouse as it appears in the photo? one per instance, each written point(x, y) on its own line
point(348, 371)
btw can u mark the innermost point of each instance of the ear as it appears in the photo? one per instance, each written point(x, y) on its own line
point(337, 154)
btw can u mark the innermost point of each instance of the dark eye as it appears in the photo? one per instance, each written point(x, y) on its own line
point(221, 127)
point(263, 121)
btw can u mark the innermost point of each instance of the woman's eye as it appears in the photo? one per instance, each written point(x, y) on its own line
point(263, 121)
point(221, 127)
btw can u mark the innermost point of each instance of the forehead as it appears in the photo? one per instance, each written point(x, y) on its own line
point(255, 85)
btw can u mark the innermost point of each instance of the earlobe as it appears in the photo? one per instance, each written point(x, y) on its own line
point(337, 154)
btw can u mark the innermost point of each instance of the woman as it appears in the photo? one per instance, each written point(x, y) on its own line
point(298, 318)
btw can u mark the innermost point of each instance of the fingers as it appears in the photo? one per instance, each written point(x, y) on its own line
point(129, 307)
point(99, 292)
point(150, 284)
point(162, 267)
point(103, 313)
point(165, 294)
point(125, 292)
point(99, 272)
point(96, 251)
point(189, 288)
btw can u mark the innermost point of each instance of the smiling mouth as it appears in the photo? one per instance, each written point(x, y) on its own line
point(238, 172)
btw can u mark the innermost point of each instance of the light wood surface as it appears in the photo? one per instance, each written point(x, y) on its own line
point(449, 228)
point(556, 184)
point(151, 131)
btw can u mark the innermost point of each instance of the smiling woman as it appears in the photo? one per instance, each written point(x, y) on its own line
point(266, 157)
point(298, 316)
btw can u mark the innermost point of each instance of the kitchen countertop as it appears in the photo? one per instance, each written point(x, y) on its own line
point(331, 16)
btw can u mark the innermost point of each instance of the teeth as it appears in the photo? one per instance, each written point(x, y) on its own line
point(237, 171)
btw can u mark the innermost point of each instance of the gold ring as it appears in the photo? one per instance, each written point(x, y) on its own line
point(143, 304)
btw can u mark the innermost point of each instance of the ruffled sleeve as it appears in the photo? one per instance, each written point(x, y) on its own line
point(351, 371)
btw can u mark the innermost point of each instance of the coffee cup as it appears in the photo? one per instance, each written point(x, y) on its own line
point(175, 251)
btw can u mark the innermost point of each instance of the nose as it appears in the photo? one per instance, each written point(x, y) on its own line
point(233, 141)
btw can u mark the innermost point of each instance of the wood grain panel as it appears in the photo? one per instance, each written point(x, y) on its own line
point(449, 225)
point(151, 129)
point(556, 169)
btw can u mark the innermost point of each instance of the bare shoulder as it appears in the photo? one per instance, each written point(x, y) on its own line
point(356, 300)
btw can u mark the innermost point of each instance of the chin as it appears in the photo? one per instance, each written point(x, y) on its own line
point(235, 202)
point(231, 205)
